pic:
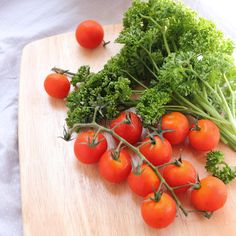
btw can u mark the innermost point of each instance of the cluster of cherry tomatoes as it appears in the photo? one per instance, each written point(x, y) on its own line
point(115, 165)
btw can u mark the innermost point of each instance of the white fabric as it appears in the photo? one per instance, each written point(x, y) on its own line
point(22, 21)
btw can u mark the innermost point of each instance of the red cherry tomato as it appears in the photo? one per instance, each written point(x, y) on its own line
point(144, 182)
point(57, 85)
point(211, 195)
point(177, 122)
point(114, 168)
point(87, 149)
point(130, 132)
point(182, 174)
point(158, 214)
point(206, 138)
point(89, 34)
point(157, 151)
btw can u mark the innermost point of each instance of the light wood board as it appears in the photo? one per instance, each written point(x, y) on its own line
point(63, 197)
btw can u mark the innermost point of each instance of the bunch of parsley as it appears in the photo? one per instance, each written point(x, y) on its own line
point(173, 59)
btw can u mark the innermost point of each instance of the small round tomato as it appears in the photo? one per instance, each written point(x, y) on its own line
point(211, 195)
point(115, 167)
point(144, 182)
point(205, 136)
point(89, 34)
point(160, 213)
point(158, 151)
point(179, 174)
point(132, 131)
point(88, 148)
point(57, 85)
point(178, 123)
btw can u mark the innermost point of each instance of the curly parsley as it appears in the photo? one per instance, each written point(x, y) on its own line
point(216, 165)
point(181, 61)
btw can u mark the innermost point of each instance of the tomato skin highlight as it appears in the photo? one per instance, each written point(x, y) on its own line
point(177, 122)
point(180, 175)
point(57, 85)
point(211, 196)
point(158, 153)
point(159, 214)
point(207, 138)
point(130, 132)
point(89, 34)
point(115, 171)
point(89, 154)
point(144, 183)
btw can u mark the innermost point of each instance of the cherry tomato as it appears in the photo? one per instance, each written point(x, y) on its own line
point(177, 122)
point(115, 168)
point(158, 214)
point(211, 195)
point(57, 85)
point(206, 138)
point(130, 132)
point(157, 151)
point(89, 34)
point(144, 182)
point(182, 174)
point(88, 148)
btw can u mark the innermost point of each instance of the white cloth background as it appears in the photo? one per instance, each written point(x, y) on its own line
point(26, 20)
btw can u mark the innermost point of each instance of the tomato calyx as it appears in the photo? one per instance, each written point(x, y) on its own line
point(152, 138)
point(66, 135)
point(94, 141)
point(160, 132)
point(178, 162)
point(136, 168)
point(127, 119)
point(104, 43)
point(197, 185)
point(208, 214)
point(157, 196)
point(157, 193)
point(115, 154)
point(196, 126)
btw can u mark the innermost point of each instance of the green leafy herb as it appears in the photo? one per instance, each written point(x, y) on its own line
point(216, 165)
point(82, 75)
point(180, 61)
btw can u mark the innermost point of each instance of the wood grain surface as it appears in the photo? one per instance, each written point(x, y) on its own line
point(63, 197)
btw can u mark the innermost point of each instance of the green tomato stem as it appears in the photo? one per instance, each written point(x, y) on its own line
point(61, 71)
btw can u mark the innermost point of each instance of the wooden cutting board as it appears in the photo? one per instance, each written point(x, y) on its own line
point(63, 197)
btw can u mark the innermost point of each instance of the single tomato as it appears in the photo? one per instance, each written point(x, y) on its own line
point(178, 123)
point(182, 173)
point(205, 136)
point(158, 151)
point(159, 213)
point(88, 148)
point(89, 34)
point(115, 167)
point(57, 85)
point(130, 131)
point(211, 195)
point(144, 182)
